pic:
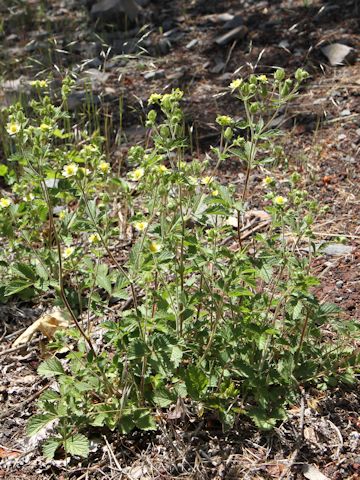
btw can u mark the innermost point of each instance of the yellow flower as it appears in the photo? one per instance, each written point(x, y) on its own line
point(235, 84)
point(39, 83)
point(154, 98)
point(68, 251)
point(154, 247)
point(137, 174)
point(62, 214)
point(12, 128)
point(140, 226)
point(215, 193)
point(162, 169)
point(91, 148)
point(268, 181)
point(94, 238)
point(262, 78)
point(280, 201)
point(207, 180)
point(104, 167)
point(45, 127)
point(70, 170)
point(5, 202)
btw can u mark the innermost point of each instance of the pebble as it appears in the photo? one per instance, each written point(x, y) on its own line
point(237, 33)
point(155, 74)
point(334, 249)
point(192, 44)
point(339, 283)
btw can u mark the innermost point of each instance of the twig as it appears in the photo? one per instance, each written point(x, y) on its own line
point(299, 440)
point(24, 402)
point(112, 454)
point(20, 347)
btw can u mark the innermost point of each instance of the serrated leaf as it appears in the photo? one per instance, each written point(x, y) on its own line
point(144, 420)
point(78, 445)
point(50, 368)
point(50, 446)
point(38, 422)
point(176, 355)
point(329, 309)
point(16, 286)
point(196, 382)
point(163, 398)
point(298, 310)
point(103, 279)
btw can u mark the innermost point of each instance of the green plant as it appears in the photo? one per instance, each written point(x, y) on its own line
point(238, 331)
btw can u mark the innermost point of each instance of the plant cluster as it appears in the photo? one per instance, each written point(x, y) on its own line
point(236, 330)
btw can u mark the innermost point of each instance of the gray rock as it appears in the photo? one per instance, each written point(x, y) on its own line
point(155, 74)
point(192, 43)
point(336, 249)
point(164, 46)
point(79, 98)
point(237, 33)
point(110, 10)
point(235, 22)
point(338, 53)
point(218, 67)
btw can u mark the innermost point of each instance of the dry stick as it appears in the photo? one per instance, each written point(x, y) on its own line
point(299, 440)
point(25, 402)
point(19, 347)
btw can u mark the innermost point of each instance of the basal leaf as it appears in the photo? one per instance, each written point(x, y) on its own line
point(77, 444)
point(50, 368)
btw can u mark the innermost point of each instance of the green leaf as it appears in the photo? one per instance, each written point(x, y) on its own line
point(102, 278)
point(144, 420)
point(50, 446)
point(16, 286)
point(50, 368)
point(176, 355)
point(25, 270)
point(38, 422)
point(196, 382)
point(78, 445)
point(266, 420)
point(3, 170)
point(163, 398)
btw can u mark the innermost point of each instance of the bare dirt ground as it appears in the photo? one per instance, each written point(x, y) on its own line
point(321, 140)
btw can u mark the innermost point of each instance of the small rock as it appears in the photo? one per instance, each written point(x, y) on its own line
point(164, 46)
point(218, 68)
point(237, 33)
point(235, 22)
point(192, 43)
point(345, 113)
point(284, 44)
point(337, 53)
point(78, 98)
point(155, 74)
point(335, 249)
point(109, 10)
point(339, 283)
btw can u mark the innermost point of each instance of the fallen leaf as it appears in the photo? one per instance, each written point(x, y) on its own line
point(47, 324)
point(312, 473)
point(8, 453)
point(336, 53)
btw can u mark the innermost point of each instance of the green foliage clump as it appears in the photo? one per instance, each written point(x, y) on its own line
point(236, 330)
